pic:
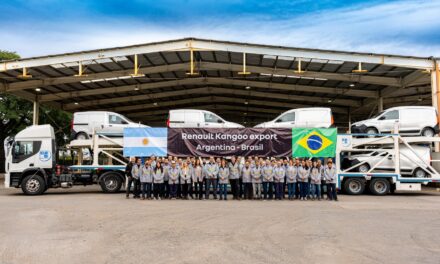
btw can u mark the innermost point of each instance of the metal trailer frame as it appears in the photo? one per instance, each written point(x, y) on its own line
point(359, 143)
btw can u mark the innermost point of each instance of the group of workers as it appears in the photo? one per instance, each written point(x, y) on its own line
point(248, 178)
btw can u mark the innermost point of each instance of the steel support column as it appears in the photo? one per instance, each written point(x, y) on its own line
point(36, 112)
point(380, 104)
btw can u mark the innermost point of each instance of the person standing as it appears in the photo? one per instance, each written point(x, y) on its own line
point(223, 175)
point(323, 183)
point(197, 178)
point(234, 176)
point(211, 174)
point(279, 175)
point(185, 179)
point(316, 181)
point(146, 180)
point(330, 178)
point(174, 173)
point(166, 177)
point(247, 181)
point(291, 175)
point(129, 176)
point(267, 172)
point(241, 161)
point(303, 179)
point(158, 181)
point(256, 180)
point(136, 174)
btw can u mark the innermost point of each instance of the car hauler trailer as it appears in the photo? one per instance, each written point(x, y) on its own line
point(31, 162)
point(387, 147)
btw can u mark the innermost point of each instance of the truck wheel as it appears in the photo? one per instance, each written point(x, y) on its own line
point(364, 168)
point(419, 173)
point(111, 182)
point(371, 131)
point(379, 186)
point(428, 132)
point(354, 186)
point(81, 136)
point(33, 185)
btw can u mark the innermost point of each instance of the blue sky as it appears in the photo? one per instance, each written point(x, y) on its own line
point(40, 27)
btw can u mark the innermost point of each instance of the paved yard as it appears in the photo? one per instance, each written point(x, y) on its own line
point(82, 225)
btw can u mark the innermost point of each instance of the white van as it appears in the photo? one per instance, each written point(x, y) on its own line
point(197, 118)
point(413, 120)
point(83, 123)
point(313, 117)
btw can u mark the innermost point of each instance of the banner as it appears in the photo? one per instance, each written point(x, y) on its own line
point(316, 142)
point(205, 142)
point(145, 142)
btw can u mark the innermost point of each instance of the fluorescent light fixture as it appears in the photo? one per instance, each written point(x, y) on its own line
point(352, 84)
point(38, 89)
point(292, 76)
point(335, 62)
point(247, 87)
point(329, 100)
point(76, 103)
point(154, 103)
point(110, 79)
point(246, 102)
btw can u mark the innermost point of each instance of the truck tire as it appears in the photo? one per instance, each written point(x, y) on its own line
point(354, 186)
point(33, 185)
point(371, 130)
point(81, 135)
point(111, 182)
point(380, 186)
point(364, 168)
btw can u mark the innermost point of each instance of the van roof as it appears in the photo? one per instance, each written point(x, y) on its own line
point(94, 112)
point(409, 106)
point(310, 108)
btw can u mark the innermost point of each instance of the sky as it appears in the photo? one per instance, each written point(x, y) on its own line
point(43, 27)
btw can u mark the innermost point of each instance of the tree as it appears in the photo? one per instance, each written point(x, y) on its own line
point(16, 114)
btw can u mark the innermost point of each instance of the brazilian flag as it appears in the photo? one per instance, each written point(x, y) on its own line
point(314, 142)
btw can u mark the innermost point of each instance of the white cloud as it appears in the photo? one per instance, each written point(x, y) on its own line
point(409, 28)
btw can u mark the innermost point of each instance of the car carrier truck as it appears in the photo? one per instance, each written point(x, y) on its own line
point(31, 162)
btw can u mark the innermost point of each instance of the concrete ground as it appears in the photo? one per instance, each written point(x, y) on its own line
point(83, 225)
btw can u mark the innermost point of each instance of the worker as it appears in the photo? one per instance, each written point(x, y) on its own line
point(256, 179)
point(223, 175)
point(129, 176)
point(158, 181)
point(146, 179)
point(166, 177)
point(291, 175)
point(185, 179)
point(279, 175)
point(247, 180)
point(323, 183)
point(136, 173)
point(303, 179)
point(234, 176)
point(330, 178)
point(198, 176)
point(211, 174)
point(174, 173)
point(316, 176)
point(267, 172)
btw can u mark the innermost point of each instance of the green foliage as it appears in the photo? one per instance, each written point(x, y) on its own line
point(5, 55)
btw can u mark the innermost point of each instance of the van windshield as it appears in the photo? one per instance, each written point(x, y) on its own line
point(378, 114)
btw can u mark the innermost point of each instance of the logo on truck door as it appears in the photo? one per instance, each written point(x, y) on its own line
point(45, 155)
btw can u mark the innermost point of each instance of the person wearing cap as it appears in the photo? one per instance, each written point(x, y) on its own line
point(211, 174)
point(279, 175)
point(256, 179)
point(129, 176)
point(267, 172)
point(158, 181)
point(291, 176)
point(174, 173)
point(223, 179)
point(247, 180)
point(136, 174)
point(315, 173)
point(234, 176)
point(146, 179)
point(331, 178)
point(185, 179)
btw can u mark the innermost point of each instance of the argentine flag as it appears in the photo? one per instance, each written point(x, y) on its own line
point(145, 142)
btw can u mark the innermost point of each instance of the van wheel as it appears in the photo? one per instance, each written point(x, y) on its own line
point(371, 131)
point(364, 168)
point(428, 132)
point(33, 185)
point(379, 186)
point(354, 186)
point(419, 173)
point(111, 182)
point(81, 136)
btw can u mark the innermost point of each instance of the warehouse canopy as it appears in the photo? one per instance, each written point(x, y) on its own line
point(245, 83)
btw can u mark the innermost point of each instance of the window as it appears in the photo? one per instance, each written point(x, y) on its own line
point(116, 120)
point(25, 149)
point(211, 118)
point(390, 115)
point(289, 117)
